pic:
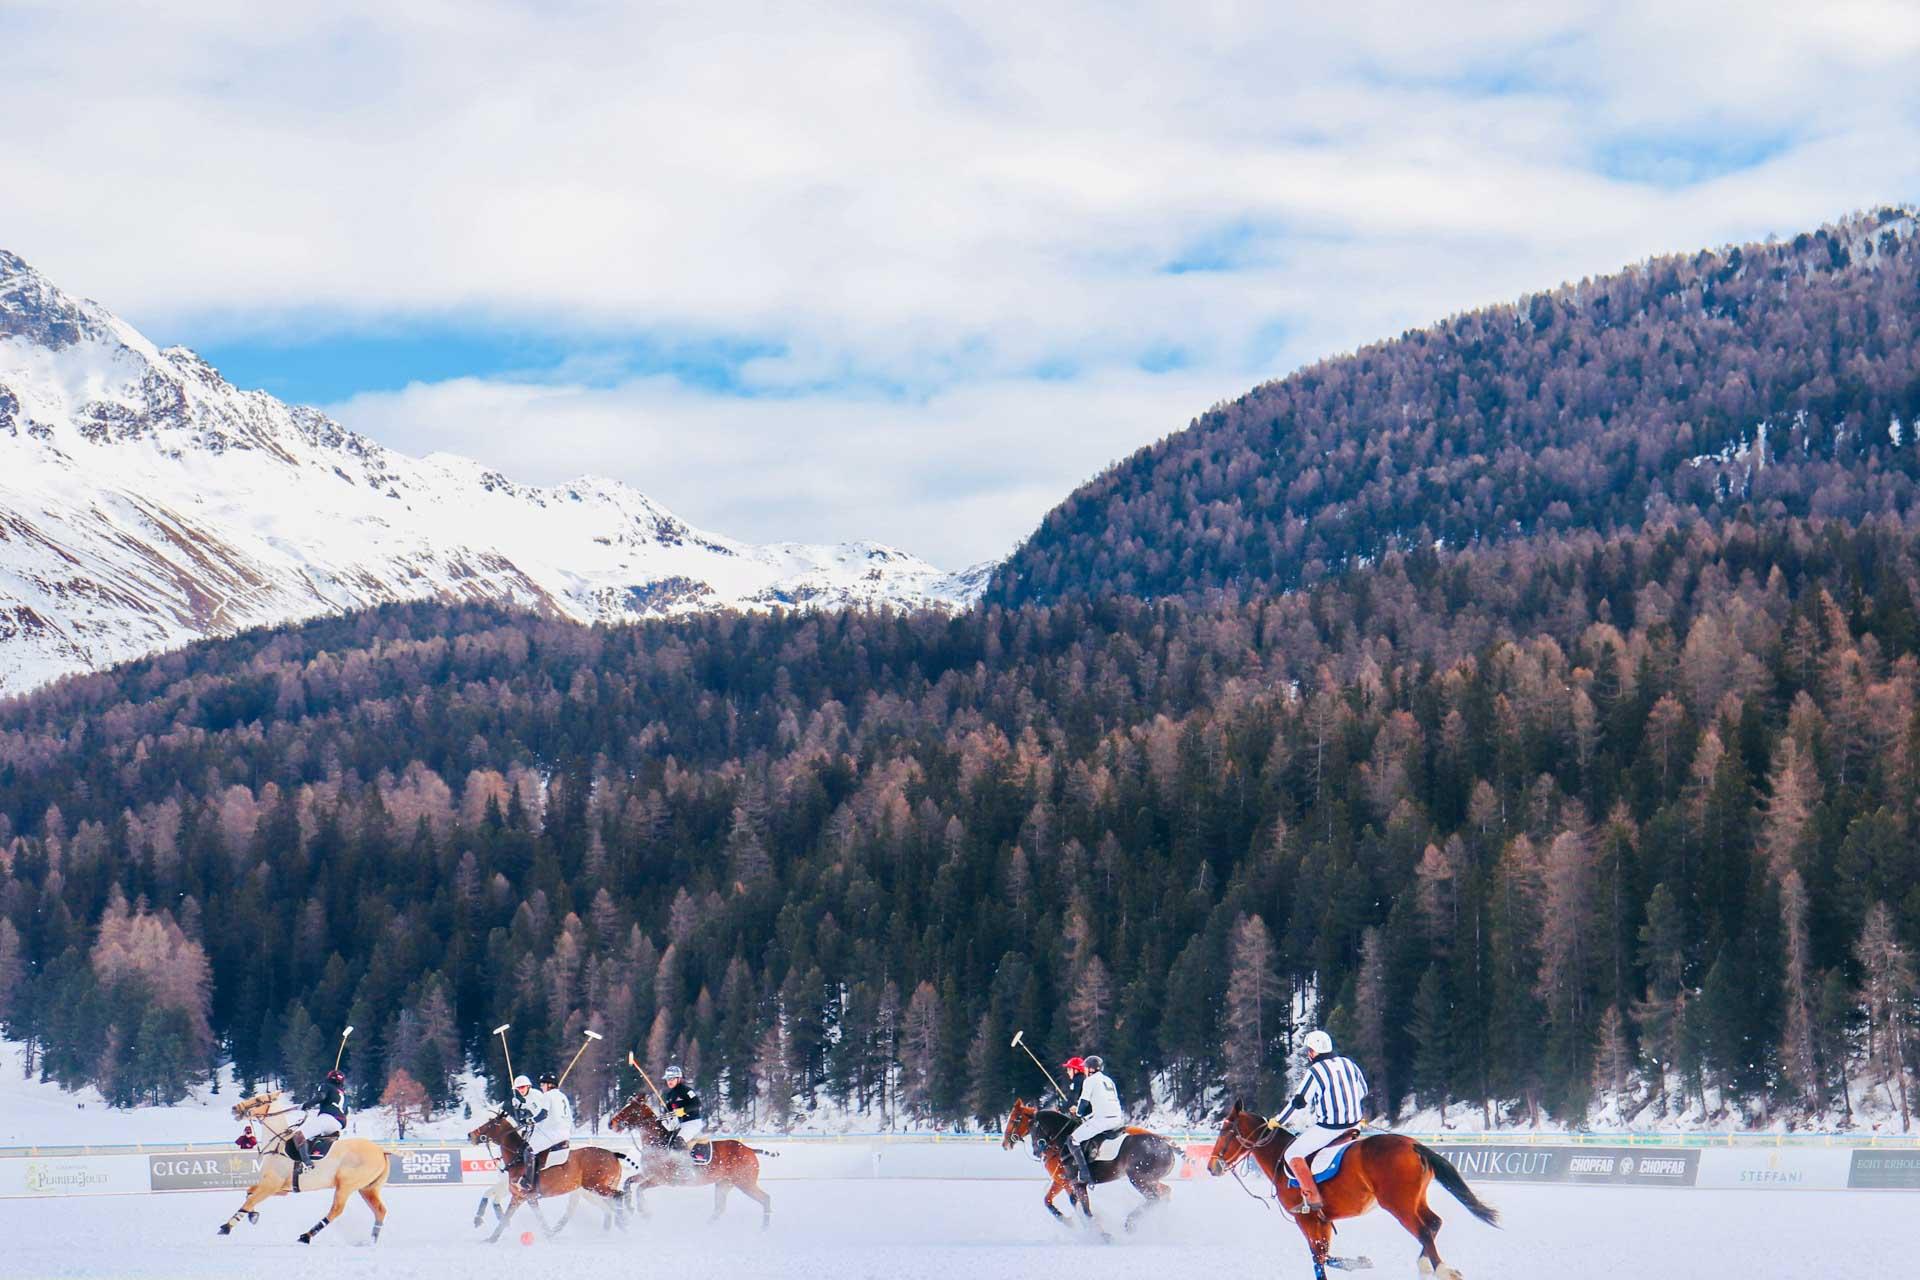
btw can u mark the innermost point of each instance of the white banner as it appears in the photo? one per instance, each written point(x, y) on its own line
point(1814, 1168)
point(72, 1175)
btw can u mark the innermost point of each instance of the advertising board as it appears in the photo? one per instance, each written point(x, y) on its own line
point(1884, 1170)
point(1808, 1168)
point(418, 1166)
point(203, 1171)
point(72, 1176)
point(1613, 1166)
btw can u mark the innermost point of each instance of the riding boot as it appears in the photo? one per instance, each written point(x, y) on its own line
point(1080, 1164)
point(1310, 1201)
point(530, 1173)
point(297, 1152)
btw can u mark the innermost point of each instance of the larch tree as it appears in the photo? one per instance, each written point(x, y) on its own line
point(1887, 989)
point(1798, 994)
point(406, 1099)
point(1255, 1007)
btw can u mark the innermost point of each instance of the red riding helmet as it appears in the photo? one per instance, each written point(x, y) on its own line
point(1075, 1063)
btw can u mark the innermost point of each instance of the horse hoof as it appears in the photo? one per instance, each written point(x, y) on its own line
point(226, 1228)
point(306, 1237)
point(253, 1216)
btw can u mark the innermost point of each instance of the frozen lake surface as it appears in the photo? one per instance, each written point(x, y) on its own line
point(910, 1230)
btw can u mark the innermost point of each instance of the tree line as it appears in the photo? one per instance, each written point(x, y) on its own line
point(1783, 375)
point(1541, 827)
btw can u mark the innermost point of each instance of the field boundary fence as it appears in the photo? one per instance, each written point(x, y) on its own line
point(1846, 1162)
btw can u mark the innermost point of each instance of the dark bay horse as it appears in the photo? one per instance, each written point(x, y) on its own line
point(732, 1165)
point(1144, 1158)
point(1386, 1169)
point(589, 1169)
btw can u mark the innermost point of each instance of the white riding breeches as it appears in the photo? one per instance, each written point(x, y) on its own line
point(324, 1125)
point(1312, 1139)
point(689, 1130)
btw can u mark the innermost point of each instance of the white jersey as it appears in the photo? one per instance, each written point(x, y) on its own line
point(1102, 1101)
point(555, 1119)
point(1334, 1092)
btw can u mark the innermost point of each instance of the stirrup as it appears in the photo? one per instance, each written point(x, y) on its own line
point(1308, 1208)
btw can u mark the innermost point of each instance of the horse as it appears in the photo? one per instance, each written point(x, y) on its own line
point(350, 1165)
point(733, 1165)
point(1144, 1157)
point(587, 1169)
point(1386, 1169)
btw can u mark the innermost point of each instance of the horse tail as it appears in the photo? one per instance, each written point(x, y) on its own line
point(1449, 1177)
point(762, 1151)
point(623, 1156)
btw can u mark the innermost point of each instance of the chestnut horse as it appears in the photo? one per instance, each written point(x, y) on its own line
point(1386, 1169)
point(350, 1165)
point(732, 1164)
point(590, 1169)
point(1144, 1157)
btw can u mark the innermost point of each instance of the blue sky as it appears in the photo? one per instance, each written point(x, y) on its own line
point(908, 272)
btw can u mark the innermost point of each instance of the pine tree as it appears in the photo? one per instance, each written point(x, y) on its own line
point(1433, 1019)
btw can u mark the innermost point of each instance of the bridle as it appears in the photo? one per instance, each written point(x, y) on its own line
point(1269, 1134)
point(1037, 1139)
point(643, 1121)
point(276, 1143)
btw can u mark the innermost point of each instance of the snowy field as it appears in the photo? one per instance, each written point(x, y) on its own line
point(905, 1230)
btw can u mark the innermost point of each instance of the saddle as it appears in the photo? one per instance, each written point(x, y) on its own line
point(317, 1148)
point(1106, 1146)
point(1325, 1162)
point(700, 1151)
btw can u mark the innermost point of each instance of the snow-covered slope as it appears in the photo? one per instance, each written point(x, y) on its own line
point(145, 503)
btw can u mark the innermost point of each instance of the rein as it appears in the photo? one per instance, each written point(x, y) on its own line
point(1269, 1133)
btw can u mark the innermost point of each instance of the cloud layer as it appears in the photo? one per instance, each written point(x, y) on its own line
point(961, 255)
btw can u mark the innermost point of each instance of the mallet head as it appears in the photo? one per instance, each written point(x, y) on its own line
point(595, 1035)
point(502, 1028)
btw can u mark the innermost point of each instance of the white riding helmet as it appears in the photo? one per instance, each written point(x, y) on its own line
point(521, 1082)
point(673, 1073)
point(1319, 1042)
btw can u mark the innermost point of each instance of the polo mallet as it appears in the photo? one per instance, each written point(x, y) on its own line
point(635, 1064)
point(591, 1036)
point(501, 1031)
point(1020, 1043)
point(343, 1046)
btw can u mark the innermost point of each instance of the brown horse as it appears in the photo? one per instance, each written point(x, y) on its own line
point(1386, 1169)
point(732, 1164)
point(587, 1169)
point(352, 1164)
point(1144, 1157)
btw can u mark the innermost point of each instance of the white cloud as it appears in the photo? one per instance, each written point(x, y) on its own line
point(957, 477)
point(945, 198)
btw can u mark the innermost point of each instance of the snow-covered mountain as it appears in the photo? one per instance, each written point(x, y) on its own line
point(145, 503)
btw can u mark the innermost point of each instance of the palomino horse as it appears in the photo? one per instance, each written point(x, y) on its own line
point(1386, 1169)
point(354, 1164)
point(590, 1169)
point(732, 1165)
point(1144, 1157)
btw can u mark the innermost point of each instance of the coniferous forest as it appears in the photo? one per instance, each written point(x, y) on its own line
point(1533, 698)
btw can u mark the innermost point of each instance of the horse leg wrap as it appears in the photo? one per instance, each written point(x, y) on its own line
point(376, 1232)
point(314, 1230)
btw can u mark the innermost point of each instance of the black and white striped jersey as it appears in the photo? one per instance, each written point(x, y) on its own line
point(1335, 1092)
